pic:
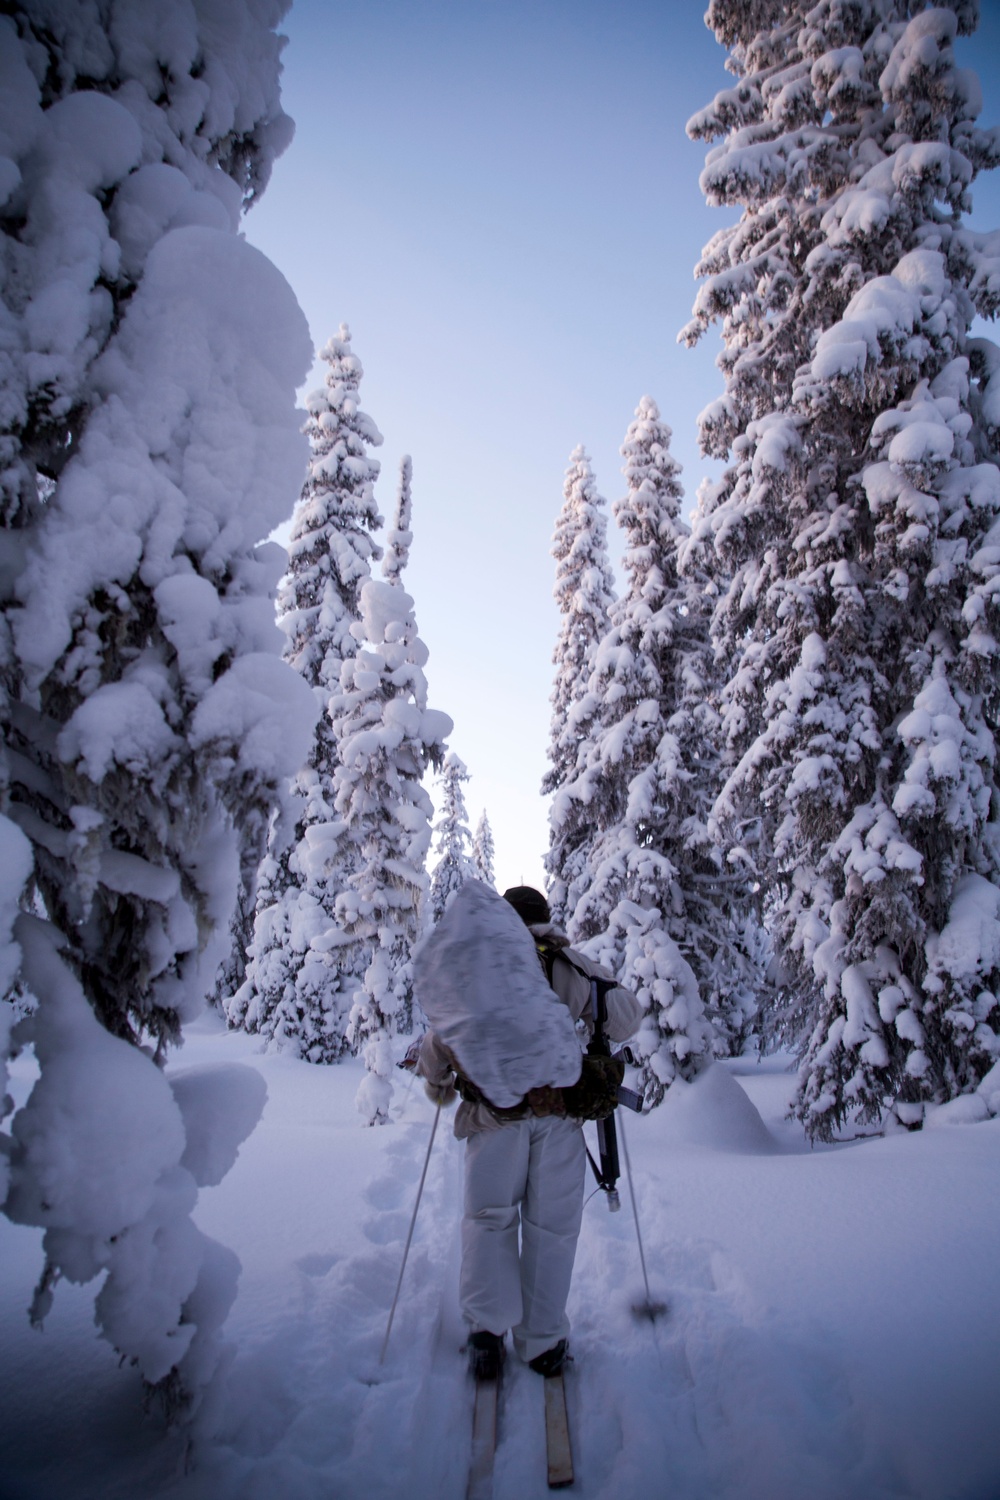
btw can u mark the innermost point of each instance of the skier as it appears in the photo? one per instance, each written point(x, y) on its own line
point(523, 1166)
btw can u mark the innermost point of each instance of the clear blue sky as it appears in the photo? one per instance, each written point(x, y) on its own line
point(499, 198)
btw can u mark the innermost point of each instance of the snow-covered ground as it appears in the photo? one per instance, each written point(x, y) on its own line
point(832, 1331)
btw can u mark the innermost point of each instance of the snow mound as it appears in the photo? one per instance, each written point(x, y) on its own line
point(968, 1109)
point(713, 1111)
point(483, 991)
point(989, 1089)
point(220, 1105)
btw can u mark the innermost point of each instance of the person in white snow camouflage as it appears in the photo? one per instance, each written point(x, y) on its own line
point(524, 1167)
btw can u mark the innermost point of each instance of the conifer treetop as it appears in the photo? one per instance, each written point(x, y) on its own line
point(332, 546)
point(455, 863)
point(483, 851)
point(400, 538)
point(584, 592)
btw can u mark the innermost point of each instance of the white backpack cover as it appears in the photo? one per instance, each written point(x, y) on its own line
point(480, 984)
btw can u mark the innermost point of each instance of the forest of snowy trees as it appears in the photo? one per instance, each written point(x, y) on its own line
point(772, 763)
point(774, 757)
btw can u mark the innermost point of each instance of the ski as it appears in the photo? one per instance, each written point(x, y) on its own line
point(557, 1444)
point(484, 1440)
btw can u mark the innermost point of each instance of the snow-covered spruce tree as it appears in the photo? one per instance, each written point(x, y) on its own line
point(149, 441)
point(400, 538)
point(854, 527)
point(232, 971)
point(632, 786)
point(721, 932)
point(297, 992)
point(451, 829)
point(264, 939)
point(15, 873)
point(387, 738)
point(483, 852)
point(584, 591)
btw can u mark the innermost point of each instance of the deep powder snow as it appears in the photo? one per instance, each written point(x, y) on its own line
point(830, 1334)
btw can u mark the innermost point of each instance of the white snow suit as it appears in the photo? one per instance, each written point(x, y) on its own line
point(526, 1174)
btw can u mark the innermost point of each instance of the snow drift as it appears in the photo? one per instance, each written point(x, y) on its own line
point(714, 1112)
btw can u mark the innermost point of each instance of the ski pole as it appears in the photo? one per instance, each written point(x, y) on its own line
point(649, 1309)
point(409, 1237)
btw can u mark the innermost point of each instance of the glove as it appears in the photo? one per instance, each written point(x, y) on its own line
point(441, 1093)
point(412, 1057)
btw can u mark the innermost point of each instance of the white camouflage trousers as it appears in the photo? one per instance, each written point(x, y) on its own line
point(530, 1172)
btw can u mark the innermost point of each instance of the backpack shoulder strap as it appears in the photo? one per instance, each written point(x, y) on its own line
point(576, 961)
point(546, 956)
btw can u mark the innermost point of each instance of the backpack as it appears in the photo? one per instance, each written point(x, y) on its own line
point(594, 1096)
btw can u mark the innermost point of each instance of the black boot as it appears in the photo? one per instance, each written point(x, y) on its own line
point(552, 1361)
point(486, 1354)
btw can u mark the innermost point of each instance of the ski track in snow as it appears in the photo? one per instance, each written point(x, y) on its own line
point(735, 1394)
point(743, 1408)
point(346, 1425)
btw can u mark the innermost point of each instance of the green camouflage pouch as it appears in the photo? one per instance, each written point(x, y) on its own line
point(594, 1096)
point(546, 1100)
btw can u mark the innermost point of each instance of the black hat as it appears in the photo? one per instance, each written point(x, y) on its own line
point(530, 905)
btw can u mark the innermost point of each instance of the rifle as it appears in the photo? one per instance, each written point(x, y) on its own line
point(607, 1136)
